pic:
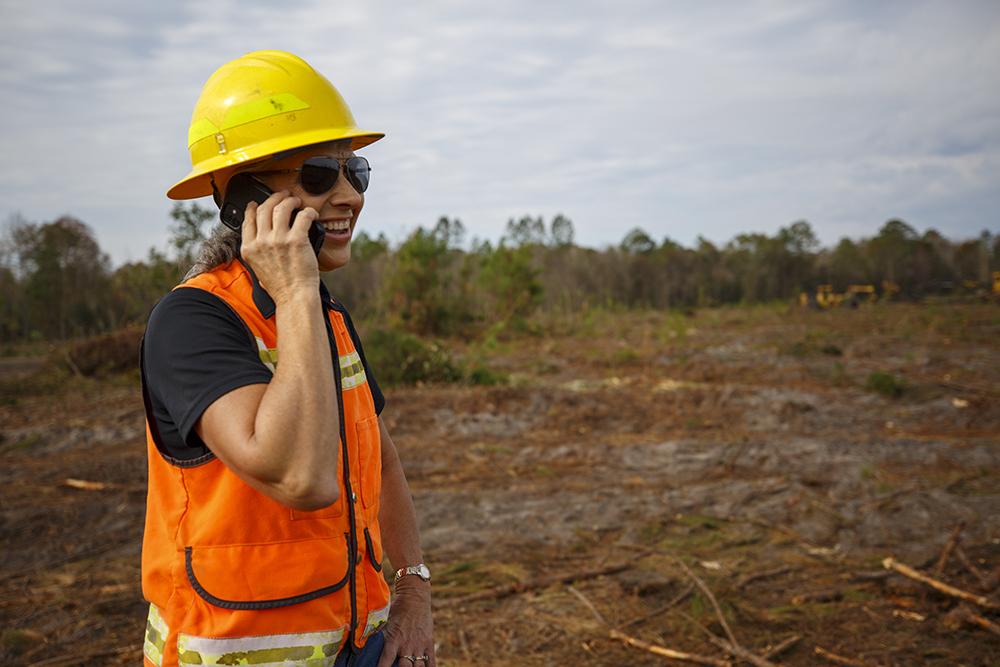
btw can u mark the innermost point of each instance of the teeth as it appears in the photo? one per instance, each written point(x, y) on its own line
point(337, 225)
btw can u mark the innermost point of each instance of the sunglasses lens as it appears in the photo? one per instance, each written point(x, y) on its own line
point(319, 175)
point(358, 173)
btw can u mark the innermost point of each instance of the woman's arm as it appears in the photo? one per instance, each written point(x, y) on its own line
point(282, 438)
point(410, 630)
point(396, 515)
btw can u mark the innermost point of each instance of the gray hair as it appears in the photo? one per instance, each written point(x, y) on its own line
point(223, 245)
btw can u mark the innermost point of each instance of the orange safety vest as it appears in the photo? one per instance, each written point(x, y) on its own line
point(235, 577)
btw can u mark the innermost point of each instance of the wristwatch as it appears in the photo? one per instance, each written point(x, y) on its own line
point(419, 569)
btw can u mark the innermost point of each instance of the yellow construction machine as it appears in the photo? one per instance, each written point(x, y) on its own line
point(855, 295)
point(858, 294)
point(889, 289)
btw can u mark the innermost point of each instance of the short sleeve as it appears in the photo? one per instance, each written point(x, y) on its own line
point(196, 350)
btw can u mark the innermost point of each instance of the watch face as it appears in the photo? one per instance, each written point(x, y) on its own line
point(420, 570)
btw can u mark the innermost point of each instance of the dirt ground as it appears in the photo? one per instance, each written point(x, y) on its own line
point(739, 443)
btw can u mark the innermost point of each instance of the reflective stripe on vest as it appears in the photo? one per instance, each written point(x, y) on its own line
point(376, 619)
point(156, 636)
point(309, 649)
point(351, 368)
point(268, 356)
point(352, 371)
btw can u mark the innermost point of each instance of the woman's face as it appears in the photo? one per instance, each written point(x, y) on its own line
point(342, 203)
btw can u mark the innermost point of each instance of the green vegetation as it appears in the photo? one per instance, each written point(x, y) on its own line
point(885, 384)
point(421, 297)
point(509, 278)
point(56, 285)
point(483, 375)
point(625, 355)
point(402, 358)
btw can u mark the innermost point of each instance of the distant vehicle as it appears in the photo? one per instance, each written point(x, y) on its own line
point(826, 297)
point(859, 294)
point(889, 289)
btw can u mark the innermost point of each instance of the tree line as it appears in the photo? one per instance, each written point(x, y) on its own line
point(56, 282)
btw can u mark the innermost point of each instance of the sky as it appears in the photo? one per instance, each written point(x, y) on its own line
point(687, 119)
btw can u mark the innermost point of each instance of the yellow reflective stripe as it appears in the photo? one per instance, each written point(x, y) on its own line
point(349, 359)
point(352, 371)
point(156, 636)
point(200, 129)
point(246, 113)
point(376, 619)
point(271, 105)
point(310, 649)
point(269, 356)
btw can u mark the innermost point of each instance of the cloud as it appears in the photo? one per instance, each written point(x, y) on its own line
point(708, 119)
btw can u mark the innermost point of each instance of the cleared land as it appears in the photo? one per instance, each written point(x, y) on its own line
point(740, 443)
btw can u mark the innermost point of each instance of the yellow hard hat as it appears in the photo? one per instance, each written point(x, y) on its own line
point(260, 104)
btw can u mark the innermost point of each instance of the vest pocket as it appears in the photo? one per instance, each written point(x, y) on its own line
point(374, 576)
point(374, 557)
point(370, 453)
point(267, 576)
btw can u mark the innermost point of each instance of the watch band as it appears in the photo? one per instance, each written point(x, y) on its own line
point(419, 569)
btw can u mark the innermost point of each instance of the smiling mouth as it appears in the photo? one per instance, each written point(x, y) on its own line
point(336, 226)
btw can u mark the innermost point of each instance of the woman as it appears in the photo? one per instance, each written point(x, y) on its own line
point(275, 490)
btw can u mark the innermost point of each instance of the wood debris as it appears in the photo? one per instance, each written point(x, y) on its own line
point(542, 582)
point(907, 571)
point(839, 659)
point(949, 547)
point(85, 485)
point(964, 615)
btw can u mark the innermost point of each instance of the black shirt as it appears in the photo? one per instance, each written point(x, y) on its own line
point(195, 350)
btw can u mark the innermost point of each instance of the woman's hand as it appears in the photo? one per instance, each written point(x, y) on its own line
point(281, 256)
point(410, 628)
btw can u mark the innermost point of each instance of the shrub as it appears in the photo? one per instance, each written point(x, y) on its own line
point(401, 358)
point(510, 278)
point(425, 290)
point(483, 375)
point(885, 384)
point(103, 355)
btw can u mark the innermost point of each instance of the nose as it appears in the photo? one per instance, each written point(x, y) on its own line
point(344, 194)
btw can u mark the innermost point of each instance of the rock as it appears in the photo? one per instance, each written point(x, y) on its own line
point(643, 582)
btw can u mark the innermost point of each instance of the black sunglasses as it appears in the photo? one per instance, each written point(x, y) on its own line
point(319, 174)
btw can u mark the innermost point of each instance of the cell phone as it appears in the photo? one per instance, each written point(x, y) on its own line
point(243, 188)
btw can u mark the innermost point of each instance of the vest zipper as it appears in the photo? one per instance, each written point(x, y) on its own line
point(352, 540)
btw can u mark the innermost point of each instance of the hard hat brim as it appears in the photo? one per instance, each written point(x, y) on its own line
point(198, 182)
